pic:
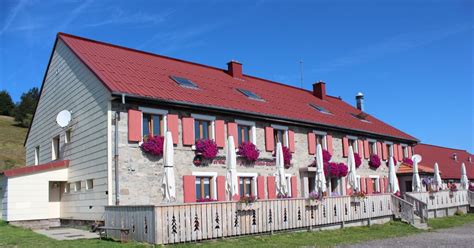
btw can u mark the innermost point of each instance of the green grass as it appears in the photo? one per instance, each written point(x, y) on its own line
point(18, 237)
point(12, 152)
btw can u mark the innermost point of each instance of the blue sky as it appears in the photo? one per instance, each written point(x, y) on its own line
point(413, 60)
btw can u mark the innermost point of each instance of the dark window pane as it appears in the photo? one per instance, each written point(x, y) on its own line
point(246, 133)
point(198, 188)
point(197, 132)
point(156, 125)
point(146, 122)
point(184, 82)
point(239, 134)
point(205, 130)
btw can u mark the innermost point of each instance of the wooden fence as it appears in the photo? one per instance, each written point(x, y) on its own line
point(200, 221)
point(403, 209)
point(420, 208)
point(471, 198)
point(140, 220)
point(442, 199)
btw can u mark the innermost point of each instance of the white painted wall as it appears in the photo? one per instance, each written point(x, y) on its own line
point(28, 196)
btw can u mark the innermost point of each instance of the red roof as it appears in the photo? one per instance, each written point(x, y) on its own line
point(451, 168)
point(408, 169)
point(142, 74)
point(36, 168)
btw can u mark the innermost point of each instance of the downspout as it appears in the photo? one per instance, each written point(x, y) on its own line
point(116, 154)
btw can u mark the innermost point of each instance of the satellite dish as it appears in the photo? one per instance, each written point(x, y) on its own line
point(63, 118)
point(416, 157)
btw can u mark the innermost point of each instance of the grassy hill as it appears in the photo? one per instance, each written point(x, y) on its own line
point(12, 152)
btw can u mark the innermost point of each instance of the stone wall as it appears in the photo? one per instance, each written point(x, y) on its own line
point(140, 175)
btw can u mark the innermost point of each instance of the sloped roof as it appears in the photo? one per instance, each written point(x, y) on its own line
point(137, 73)
point(408, 169)
point(59, 164)
point(451, 168)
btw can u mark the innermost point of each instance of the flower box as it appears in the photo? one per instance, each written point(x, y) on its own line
point(313, 202)
point(242, 206)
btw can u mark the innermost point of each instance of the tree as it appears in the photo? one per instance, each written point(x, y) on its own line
point(26, 108)
point(7, 106)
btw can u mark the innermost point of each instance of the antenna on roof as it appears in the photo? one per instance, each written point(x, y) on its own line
point(301, 71)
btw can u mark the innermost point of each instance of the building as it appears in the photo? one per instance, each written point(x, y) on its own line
point(118, 95)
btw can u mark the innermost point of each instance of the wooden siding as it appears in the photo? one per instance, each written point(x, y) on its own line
point(442, 199)
point(70, 85)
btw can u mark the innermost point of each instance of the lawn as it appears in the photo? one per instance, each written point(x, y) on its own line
point(12, 152)
point(18, 237)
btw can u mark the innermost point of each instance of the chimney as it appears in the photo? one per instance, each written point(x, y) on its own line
point(319, 90)
point(360, 101)
point(234, 68)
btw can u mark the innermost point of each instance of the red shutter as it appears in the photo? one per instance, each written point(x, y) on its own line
point(366, 149)
point(381, 187)
point(311, 143)
point(220, 181)
point(269, 140)
point(370, 189)
point(329, 143)
point(134, 125)
point(379, 149)
point(395, 152)
point(172, 125)
point(271, 187)
point(400, 153)
point(220, 133)
point(261, 187)
point(291, 140)
point(409, 152)
point(362, 184)
point(384, 152)
point(345, 146)
point(360, 146)
point(232, 131)
point(294, 187)
point(189, 189)
point(188, 131)
point(385, 184)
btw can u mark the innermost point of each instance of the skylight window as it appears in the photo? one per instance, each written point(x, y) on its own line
point(250, 94)
point(361, 116)
point(184, 82)
point(319, 108)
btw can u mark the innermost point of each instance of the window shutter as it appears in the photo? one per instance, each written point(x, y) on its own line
point(220, 181)
point(381, 187)
point(362, 184)
point(232, 131)
point(220, 133)
point(329, 143)
point(395, 152)
point(271, 187)
point(189, 189)
point(409, 152)
point(172, 125)
point(384, 152)
point(188, 131)
point(379, 149)
point(360, 146)
point(370, 189)
point(294, 187)
point(366, 149)
point(291, 140)
point(269, 141)
point(400, 153)
point(385, 184)
point(261, 187)
point(345, 146)
point(134, 125)
point(311, 143)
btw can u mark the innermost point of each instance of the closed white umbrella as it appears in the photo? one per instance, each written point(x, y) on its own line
point(169, 183)
point(416, 181)
point(282, 188)
point(320, 179)
point(464, 179)
point(352, 176)
point(393, 186)
point(437, 177)
point(232, 185)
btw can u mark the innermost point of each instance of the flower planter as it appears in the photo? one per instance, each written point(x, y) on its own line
point(246, 206)
point(313, 202)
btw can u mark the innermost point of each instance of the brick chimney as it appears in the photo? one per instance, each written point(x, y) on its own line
point(234, 68)
point(319, 90)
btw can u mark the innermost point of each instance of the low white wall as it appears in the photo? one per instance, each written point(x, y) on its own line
point(28, 196)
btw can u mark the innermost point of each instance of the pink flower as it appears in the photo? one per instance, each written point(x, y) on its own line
point(249, 151)
point(153, 145)
point(342, 169)
point(358, 160)
point(374, 161)
point(326, 156)
point(408, 161)
point(207, 148)
point(286, 156)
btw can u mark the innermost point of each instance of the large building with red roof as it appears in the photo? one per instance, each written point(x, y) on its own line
point(118, 97)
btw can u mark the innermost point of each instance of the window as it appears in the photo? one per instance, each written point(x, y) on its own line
point(319, 108)
point(288, 184)
point(280, 134)
point(55, 148)
point(247, 184)
point(250, 94)
point(77, 186)
point(67, 188)
point(244, 133)
point(372, 147)
point(67, 136)
point(321, 139)
point(374, 180)
point(361, 116)
point(89, 184)
point(37, 155)
point(153, 121)
point(205, 185)
point(184, 82)
point(353, 143)
point(334, 186)
point(203, 127)
point(389, 149)
point(405, 151)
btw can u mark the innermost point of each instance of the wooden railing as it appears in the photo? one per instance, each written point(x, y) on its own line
point(403, 209)
point(200, 221)
point(442, 199)
point(140, 220)
point(420, 208)
point(471, 198)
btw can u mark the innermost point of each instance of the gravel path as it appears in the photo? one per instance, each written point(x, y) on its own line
point(452, 237)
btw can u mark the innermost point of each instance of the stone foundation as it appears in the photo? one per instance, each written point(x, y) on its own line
point(37, 224)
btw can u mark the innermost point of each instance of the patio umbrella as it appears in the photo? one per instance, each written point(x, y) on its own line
point(352, 176)
point(437, 177)
point(320, 179)
point(280, 174)
point(416, 182)
point(232, 186)
point(392, 178)
point(168, 163)
point(464, 180)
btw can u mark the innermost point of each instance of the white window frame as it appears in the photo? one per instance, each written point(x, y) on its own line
point(325, 137)
point(374, 146)
point(67, 188)
point(254, 180)
point(77, 189)
point(358, 182)
point(210, 118)
point(404, 150)
point(212, 175)
point(288, 183)
point(67, 136)
point(154, 111)
point(284, 128)
point(37, 155)
point(390, 152)
point(55, 147)
point(355, 138)
point(251, 124)
point(89, 187)
point(377, 182)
